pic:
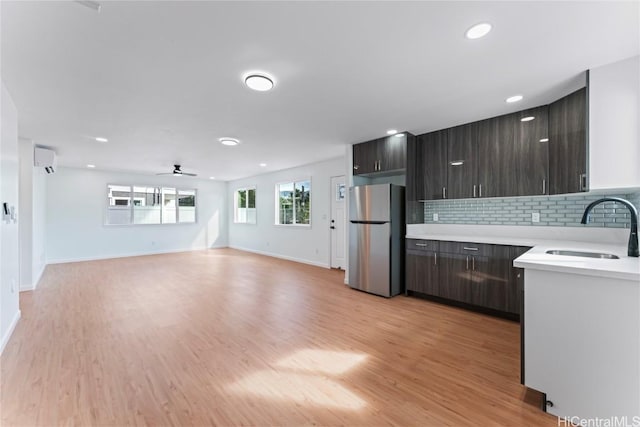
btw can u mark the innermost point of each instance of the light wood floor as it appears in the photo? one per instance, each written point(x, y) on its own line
point(229, 338)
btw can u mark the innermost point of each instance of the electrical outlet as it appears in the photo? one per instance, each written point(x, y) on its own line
point(535, 216)
point(435, 217)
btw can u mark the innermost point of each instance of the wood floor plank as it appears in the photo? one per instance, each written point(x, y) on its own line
point(223, 337)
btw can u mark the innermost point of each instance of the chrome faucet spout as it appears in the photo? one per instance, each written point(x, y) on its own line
point(633, 236)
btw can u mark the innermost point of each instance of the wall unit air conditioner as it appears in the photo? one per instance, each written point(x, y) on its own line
point(45, 158)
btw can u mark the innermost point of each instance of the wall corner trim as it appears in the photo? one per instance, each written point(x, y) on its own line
point(12, 327)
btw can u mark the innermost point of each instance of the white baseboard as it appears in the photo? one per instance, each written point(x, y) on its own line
point(127, 255)
point(288, 258)
point(12, 327)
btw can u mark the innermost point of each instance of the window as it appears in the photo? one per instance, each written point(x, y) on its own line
point(149, 205)
point(245, 206)
point(293, 203)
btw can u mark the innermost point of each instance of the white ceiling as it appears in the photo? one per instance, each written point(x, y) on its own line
point(162, 80)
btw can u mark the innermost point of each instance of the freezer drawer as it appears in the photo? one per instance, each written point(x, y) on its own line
point(370, 258)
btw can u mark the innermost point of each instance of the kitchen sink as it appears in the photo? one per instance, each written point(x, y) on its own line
point(583, 254)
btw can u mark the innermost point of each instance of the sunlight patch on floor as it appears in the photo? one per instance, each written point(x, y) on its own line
point(298, 388)
point(303, 378)
point(325, 361)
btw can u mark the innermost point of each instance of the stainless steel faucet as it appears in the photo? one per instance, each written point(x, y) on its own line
point(633, 237)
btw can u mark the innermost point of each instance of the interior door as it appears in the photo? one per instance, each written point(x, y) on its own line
point(338, 222)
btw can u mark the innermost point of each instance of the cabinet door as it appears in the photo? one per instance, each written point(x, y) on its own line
point(491, 278)
point(529, 173)
point(393, 152)
point(431, 162)
point(568, 143)
point(365, 156)
point(455, 277)
point(496, 156)
point(414, 172)
point(422, 273)
point(461, 156)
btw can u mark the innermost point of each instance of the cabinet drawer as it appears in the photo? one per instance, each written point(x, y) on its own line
point(422, 245)
point(467, 248)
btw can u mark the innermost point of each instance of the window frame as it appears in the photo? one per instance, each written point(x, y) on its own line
point(246, 189)
point(277, 202)
point(131, 206)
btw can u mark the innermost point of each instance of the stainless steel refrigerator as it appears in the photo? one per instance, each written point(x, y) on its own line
point(376, 238)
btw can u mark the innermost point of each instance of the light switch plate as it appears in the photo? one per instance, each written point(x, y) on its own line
point(535, 216)
point(435, 217)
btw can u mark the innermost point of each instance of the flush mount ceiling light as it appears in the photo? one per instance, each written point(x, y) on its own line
point(392, 132)
point(263, 165)
point(259, 81)
point(514, 98)
point(91, 166)
point(544, 140)
point(229, 141)
point(101, 139)
point(478, 31)
point(527, 119)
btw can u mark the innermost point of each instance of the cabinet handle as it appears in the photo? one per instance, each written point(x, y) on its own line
point(474, 190)
point(421, 244)
point(480, 191)
point(473, 263)
point(467, 262)
point(583, 181)
point(469, 249)
point(444, 192)
point(544, 186)
point(435, 258)
point(356, 167)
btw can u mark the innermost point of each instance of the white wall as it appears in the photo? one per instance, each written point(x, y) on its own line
point(32, 201)
point(9, 247)
point(38, 225)
point(614, 125)
point(310, 245)
point(76, 208)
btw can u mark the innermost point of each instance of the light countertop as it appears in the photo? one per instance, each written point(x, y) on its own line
point(542, 239)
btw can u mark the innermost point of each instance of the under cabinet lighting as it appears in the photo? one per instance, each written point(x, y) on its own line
point(478, 31)
point(527, 119)
point(457, 163)
point(101, 139)
point(544, 140)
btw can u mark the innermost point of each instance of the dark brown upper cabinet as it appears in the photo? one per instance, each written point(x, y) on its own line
point(428, 155)
point(513, 154)
point(568, 143)
point(386, 154)
point(462, 173)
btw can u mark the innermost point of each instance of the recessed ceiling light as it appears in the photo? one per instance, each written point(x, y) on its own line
point(91, 166)
point(527, 119)
point(399, 134)
point(212, 177)
point(229, 141)
point(259, 81)
point(544, 140)
point(514, 98)
point(392, 132)
point(101, 139)
point(262, 165)
point(478, 30)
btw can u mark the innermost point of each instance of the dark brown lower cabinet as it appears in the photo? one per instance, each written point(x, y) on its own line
point(422, 272)
point(480, 275)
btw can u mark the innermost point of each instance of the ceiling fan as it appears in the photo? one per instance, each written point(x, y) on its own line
point(177, 172)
